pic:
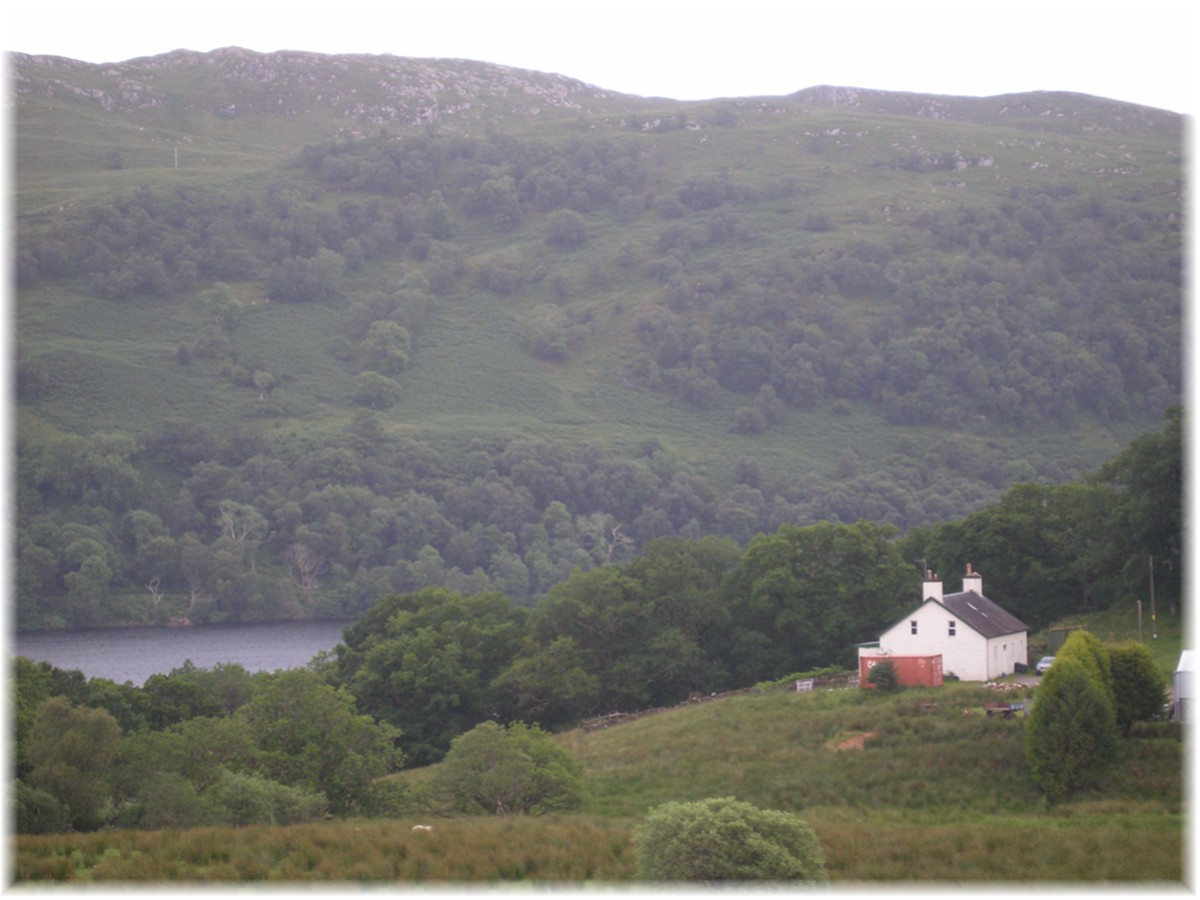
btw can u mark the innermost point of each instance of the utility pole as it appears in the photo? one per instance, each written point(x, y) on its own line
point(1139, 609)
point(1153, 617)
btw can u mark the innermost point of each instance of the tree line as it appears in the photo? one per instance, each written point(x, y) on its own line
point(685, 616)
point(189, 525)
point(195, 747)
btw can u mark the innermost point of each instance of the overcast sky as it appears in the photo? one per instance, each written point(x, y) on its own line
point(1140, 52)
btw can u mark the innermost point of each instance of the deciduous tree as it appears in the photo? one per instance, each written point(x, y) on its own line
point(518, 769)
point(309, 735)
point(386, 347)
point(425, 663)
point(548, 684)
point(376, 391)
point(70, 752)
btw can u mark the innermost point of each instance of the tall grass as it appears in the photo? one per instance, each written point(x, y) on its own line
point(554, 849)
point(860, 846)
point(1048, 850)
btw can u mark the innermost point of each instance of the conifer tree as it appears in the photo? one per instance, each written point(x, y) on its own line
point(1072, 740)
point(1137, 684)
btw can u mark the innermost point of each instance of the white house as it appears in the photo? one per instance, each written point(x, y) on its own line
point(978, 641)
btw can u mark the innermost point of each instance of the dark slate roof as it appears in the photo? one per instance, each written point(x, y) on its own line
point(981, 614)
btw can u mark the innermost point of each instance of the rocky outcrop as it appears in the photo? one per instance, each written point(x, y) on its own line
point(369, 90)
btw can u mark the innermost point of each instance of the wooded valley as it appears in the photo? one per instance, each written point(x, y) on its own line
point(319, 358)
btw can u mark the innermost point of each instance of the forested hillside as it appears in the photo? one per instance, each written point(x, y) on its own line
point(297, 332)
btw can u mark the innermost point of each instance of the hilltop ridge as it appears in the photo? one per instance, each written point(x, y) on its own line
point(370, 90)
point(387, 90)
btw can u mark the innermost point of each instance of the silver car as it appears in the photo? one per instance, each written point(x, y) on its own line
point(1044, 663)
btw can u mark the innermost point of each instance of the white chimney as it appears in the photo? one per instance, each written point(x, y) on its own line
point(972, 581)
point(932, 588)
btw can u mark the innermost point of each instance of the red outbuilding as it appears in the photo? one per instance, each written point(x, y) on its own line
point(913, 671)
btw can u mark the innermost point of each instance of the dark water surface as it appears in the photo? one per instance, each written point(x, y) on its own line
point(134, 654)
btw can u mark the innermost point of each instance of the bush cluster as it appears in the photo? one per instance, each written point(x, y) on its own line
point(1090, 697)
point(726, 840)
point(197, 747)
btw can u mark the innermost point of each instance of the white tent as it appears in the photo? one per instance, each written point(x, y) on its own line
point(1183, 685)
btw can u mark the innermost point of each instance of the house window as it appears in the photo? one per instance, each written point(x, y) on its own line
point(953, 627)
point(913, 625)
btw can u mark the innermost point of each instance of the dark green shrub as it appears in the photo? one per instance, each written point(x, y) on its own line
point(1092, 654)
point(818, 221)
point(884, 676)
point(723, 839)
point(1137, 684)
point(38, 812)
point(566, 228)
point(166, 800)
point(1071, 741)
point(247, 799)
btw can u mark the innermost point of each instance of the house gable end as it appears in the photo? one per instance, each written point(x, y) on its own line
point(922, 613)
point(903, 622)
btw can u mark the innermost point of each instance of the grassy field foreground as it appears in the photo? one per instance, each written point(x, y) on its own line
point(1081, 847)
point(934, 795)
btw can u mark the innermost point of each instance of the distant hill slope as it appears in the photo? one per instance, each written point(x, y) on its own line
point(839, 304)
point(1060, 112)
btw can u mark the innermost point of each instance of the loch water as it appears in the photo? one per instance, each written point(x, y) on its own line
point(134, 654)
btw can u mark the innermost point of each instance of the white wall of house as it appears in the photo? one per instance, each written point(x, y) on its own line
point(962, 653)
point(1005, 652)
point(932, 629)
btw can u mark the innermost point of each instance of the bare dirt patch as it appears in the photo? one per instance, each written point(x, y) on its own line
point(857, 742)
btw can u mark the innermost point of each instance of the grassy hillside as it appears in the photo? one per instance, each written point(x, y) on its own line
point(923, 757)
point(933, 796)
point(1166, 639)
point(851, 156)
